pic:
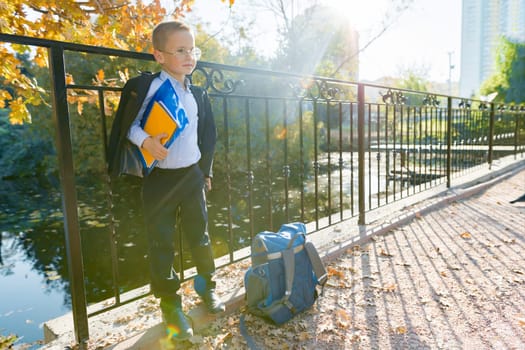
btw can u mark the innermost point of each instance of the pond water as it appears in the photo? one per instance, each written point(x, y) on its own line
point(28, 299)
point(33, 275)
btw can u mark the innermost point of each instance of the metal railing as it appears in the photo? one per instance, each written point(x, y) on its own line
point(291, 148)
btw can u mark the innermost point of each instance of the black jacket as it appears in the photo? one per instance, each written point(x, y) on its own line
point(131, 99)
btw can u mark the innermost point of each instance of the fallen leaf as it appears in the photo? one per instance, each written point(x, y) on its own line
point(343, 318)
point(354, 250)
point(401, 330)
point(443, 273)
point(355, 337)
point(351, 269)
point(332, 272)
point(325, 325)
point(443, 302)
point(389, 288)
point(404, 264)
point(219, 340)
point(385, 254)
point(303, 336)
point(466, 235)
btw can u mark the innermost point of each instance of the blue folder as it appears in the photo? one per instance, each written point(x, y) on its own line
point(163, 114)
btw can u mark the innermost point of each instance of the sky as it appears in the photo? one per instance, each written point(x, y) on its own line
point(426, 37)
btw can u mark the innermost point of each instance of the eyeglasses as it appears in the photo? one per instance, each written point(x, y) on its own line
point(181, 53)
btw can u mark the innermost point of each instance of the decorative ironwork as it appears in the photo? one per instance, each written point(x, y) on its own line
point(217, 82)
point(464, 104)
point(327, 92)
point(315, 89)
point(394, 97)
point(431, 100)
point(483, 106)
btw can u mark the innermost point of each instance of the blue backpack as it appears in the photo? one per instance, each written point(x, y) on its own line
point(285, 272)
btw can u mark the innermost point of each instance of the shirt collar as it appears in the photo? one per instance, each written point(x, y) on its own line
point(164, 75)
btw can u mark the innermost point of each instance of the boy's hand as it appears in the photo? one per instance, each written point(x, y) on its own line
point(207, 183)
point(154, 146)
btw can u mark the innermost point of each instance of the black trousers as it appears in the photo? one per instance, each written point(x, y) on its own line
point(164, 193)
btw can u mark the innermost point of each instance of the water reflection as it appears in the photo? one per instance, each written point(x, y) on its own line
point(33, 273)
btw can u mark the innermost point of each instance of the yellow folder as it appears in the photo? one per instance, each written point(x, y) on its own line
point(158, 121)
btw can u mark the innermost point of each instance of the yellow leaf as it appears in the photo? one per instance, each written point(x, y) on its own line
point(334, 272)
point(100, 75)
point(41, 58)
point(19, 113)
point(401, 330)
point(466, 235)
point(69, 79)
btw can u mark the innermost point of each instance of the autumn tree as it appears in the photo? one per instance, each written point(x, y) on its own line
point(120, 24)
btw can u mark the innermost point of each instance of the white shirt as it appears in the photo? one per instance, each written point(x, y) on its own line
point(184, 151)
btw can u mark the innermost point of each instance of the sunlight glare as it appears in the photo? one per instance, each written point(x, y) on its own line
point(362, 15)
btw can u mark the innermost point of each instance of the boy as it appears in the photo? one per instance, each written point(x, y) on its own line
point(182, 172)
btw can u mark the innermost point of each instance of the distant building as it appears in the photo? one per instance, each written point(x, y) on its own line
point(484, 22)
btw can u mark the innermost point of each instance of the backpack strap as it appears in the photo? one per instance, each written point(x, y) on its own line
point(289, 272)
point(252, 345)
point(317, 263)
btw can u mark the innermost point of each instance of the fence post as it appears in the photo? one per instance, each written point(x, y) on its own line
point(516, 134)
point(491, 135)
point(449, 140)
point(361, 151)
point(69, 198)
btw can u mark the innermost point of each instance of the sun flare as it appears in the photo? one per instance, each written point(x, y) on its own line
point(362, 15)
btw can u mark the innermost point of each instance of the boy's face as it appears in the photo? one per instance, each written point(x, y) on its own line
point(175, 57)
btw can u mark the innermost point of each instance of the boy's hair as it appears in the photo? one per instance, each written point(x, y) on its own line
point(163, 29)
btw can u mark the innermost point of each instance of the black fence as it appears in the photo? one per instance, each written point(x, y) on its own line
point(291, 148)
